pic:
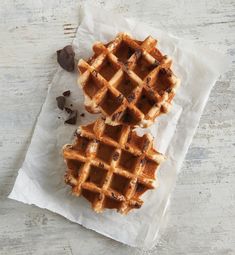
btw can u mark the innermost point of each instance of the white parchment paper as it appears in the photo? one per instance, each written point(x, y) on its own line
point(40, 179)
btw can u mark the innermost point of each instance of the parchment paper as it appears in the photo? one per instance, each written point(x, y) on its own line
point(40, 179)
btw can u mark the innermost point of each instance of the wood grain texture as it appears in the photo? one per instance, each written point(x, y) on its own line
point(201, 217)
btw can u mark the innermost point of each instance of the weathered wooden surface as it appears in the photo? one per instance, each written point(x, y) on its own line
point(201, 217)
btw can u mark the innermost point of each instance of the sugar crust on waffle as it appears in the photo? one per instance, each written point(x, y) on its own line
point(129, 81)
point(111, 166)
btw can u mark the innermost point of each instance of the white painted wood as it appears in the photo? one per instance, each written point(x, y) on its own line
point(201, 217)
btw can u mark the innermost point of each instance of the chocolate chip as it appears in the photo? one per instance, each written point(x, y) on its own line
point(120, 98)
point(60, 102)
point(65, 57)
point(163, 71)
point(127, 117)
point(115, 156)
point(169, 90)
point(72, 118)
point(156, 63)
point(140, 188)
point(66, 93)
point(138, 53)
point(82, 114)
point(130, 51)
point(101, 165)
point(68, 110)
point(131, 97)
point(137, 205)
point(113, 195)
point(71, 105)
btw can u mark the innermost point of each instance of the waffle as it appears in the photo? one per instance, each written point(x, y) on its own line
point(130, 82)
point(111, 166)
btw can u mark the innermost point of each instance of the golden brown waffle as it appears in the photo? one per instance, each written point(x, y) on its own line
point(111, 166)
point(130, 82)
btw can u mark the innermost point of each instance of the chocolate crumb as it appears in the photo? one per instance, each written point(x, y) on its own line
point(58, 117)
point(72, 118)
point(60, 102)
point(65, 58)
point(68, 110)
point(115, 156)
point(82, 114)
point(66, 93)
point(71, 105)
